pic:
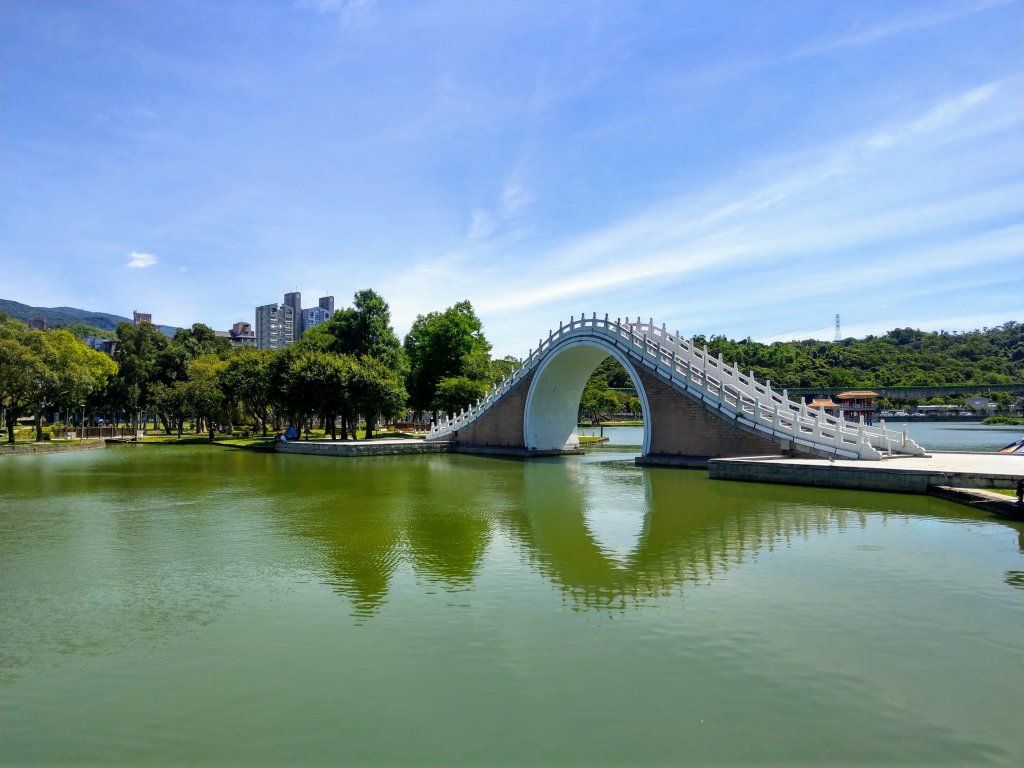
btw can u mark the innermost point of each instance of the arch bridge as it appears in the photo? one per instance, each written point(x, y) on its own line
point(696, 406)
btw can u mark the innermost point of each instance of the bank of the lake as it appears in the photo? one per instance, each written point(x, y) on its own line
point(230, 607)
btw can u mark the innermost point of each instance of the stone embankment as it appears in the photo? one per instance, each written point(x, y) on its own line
point(912, 474)
point(383, 447)
point(31, 449)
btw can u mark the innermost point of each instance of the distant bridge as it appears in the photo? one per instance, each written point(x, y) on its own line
point(695, 406)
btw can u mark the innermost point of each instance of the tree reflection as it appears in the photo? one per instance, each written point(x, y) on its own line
point(671, 528)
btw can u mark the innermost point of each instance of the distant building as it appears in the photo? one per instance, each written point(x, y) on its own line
point(37, 323)
point(294, 300)
point(107, 346)
point(327, 302)
point(138, 318)
point(275, 325)
point(857, 403)
point(826, 404)
point(314, 316)
point(240, 335)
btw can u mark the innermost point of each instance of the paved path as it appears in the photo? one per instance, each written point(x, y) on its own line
point(910, 474)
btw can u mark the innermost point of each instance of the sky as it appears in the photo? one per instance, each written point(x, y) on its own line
point(749, 169)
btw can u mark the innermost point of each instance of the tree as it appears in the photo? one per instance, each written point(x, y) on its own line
point(246, 380)
point(39, 370)
point(598, 401)
point(171, 400)
point(203, 392)
point(20, 367)
point(364, 330)
point(445, 345)
point(457, 392)
point(377, 390)
point(635, 407)
point(320, 383)
point(136, 353)
point(70, 372)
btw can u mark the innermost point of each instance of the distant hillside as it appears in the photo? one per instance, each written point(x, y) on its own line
point(58, 317)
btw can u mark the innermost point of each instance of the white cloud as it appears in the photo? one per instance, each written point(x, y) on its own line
point(140, 260)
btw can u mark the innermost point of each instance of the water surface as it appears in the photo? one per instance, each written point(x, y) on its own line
point(165, 605)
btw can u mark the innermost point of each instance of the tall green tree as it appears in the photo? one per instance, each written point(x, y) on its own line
point(377, 391)
point(203, 392)
point(136, 353)
point(364, 329)
point(21, 366)
point(445, 345)
point(320, 384)
point(71, 372)
point(454, 393)
point(246, 380)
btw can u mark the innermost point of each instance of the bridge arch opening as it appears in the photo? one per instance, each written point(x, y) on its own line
point(553, 402)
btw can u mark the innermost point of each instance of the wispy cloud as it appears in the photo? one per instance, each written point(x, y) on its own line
point(908, 22)
point(138, 260)
point(929, 191)
point(904, 24)
point(512, 202)
point(347, 11)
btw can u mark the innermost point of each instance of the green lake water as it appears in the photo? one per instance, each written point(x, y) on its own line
point(204, 606)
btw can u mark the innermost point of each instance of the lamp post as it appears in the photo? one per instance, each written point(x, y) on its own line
point(81, 425)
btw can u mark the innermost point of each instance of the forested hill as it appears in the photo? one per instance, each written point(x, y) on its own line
point(60, 317)
point(902, 357)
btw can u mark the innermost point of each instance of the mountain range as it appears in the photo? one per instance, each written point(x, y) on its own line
point(58, 317)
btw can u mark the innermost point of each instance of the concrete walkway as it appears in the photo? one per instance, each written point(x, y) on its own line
point(912, 474)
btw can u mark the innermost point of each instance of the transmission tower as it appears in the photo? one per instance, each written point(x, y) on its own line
point(839, 335)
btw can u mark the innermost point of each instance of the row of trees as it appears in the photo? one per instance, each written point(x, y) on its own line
point(903, 357)
point(40, 371)
point(352, 368)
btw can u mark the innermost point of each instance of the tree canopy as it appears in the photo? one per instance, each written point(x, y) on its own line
point(447, 348)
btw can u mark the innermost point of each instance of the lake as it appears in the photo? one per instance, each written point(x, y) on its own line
point(207, 606)
point(934, 436)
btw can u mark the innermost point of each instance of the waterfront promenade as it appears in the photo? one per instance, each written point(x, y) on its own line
point(908, 474)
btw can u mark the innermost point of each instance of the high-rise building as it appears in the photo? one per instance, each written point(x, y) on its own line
point(327, 302)
point(275, 326)
point(294, 300)
point(313, 316)
point(138, 318)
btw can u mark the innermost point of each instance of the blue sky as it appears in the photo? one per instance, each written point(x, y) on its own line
point(746, 169)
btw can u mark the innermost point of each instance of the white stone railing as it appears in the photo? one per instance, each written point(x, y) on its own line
point(720, 386)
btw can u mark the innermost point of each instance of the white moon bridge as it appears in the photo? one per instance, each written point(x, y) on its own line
point(695, 406)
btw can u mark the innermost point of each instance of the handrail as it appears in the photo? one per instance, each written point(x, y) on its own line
point(719, 385)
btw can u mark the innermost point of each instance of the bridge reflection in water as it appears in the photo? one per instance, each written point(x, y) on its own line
point(606, 534)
